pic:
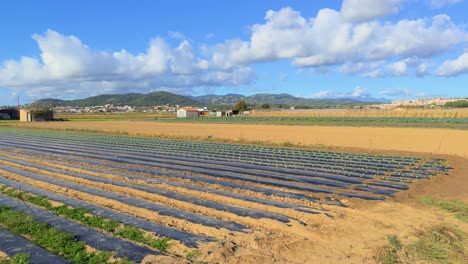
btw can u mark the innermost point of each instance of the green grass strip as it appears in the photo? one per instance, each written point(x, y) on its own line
point(440, 244)
point(21, 258)
point(83, 215)
point(458, 208)
point(58, 242)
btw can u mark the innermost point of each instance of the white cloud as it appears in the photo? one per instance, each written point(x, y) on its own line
point(407, 93)
point(398, 92)
point(404, 67)
point(360, 92)
point(399, 68)
point(441, 3)
point(454, 67)
point(351, 41)
point(359, 67)
point(357, 93)
point(69, 68)
point(283, 76)
point(329, 40)
point(365, 10)
point(176, 35)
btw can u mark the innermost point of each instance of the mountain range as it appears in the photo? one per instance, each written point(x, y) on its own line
point(166, 98)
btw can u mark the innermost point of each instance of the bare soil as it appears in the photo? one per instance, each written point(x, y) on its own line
point(352, 236)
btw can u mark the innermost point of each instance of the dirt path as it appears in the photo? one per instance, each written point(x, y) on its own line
point(422, 140)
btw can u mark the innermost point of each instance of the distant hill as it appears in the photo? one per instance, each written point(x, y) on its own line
point(211, 99)
point(131, 99)
point(275, 99)
point(164, 98)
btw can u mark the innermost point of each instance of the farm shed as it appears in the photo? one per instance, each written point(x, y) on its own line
point(232, 113)
point(9, 113)
point(205, 112)
point(27, 115)
point(4, 116)
point(187, 112)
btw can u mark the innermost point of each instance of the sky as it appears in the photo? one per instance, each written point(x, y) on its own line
point(361, 49)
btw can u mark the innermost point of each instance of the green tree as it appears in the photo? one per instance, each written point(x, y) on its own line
point(241, 106)
point(265, 106)
point(457, 104)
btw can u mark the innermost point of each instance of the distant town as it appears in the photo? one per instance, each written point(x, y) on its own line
point(417, 103)
point(110, 108)
point(30, 112)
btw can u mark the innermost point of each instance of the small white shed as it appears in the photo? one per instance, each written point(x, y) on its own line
point(187, 112)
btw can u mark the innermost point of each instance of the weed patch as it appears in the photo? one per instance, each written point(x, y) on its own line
point(82, 215)
point(58, 242)
point(439, 244)
point(21, 258)
point(458, 208)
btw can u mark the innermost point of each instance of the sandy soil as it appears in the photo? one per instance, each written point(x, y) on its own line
point(356, 232)
point(421, 140)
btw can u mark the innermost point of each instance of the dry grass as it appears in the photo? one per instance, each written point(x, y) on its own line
point(427, 113)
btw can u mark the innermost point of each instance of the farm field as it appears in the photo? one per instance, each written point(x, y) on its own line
point(112, 116)
point(414, 122)
point(366, 113)
point(430, 118)
point(368, 139)
point(155, 200)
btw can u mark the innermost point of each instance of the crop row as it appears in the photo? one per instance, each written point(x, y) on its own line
point(215, 168)
point(208, 146)
point(253, 119)
point(359, 166)
point(134, 194)
point(290, 182)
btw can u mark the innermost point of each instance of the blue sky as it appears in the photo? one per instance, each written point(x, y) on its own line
point(394, 49)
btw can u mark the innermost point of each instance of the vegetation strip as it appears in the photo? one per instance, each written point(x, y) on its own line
point(83, 216)
point(146, 143)
point(275, 183)
point(188, 239)
point(163, 183)
point(289, 156)
point(379, 188)
point(56, 241)
point(230, 185)
point(20, 250)
point(240, 211)
point(458, 208)
point(123, 187)
point(201, 150)
point(214, 173)
point(205, 171)
point(282, 119)
point(21, 258)
point(437, 244)
point(214, 162)
point(125, 208)
point(83, 233)
point(159, 209)
point(293, 178)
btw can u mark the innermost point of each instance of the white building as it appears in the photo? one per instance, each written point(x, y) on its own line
point(187, 112)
